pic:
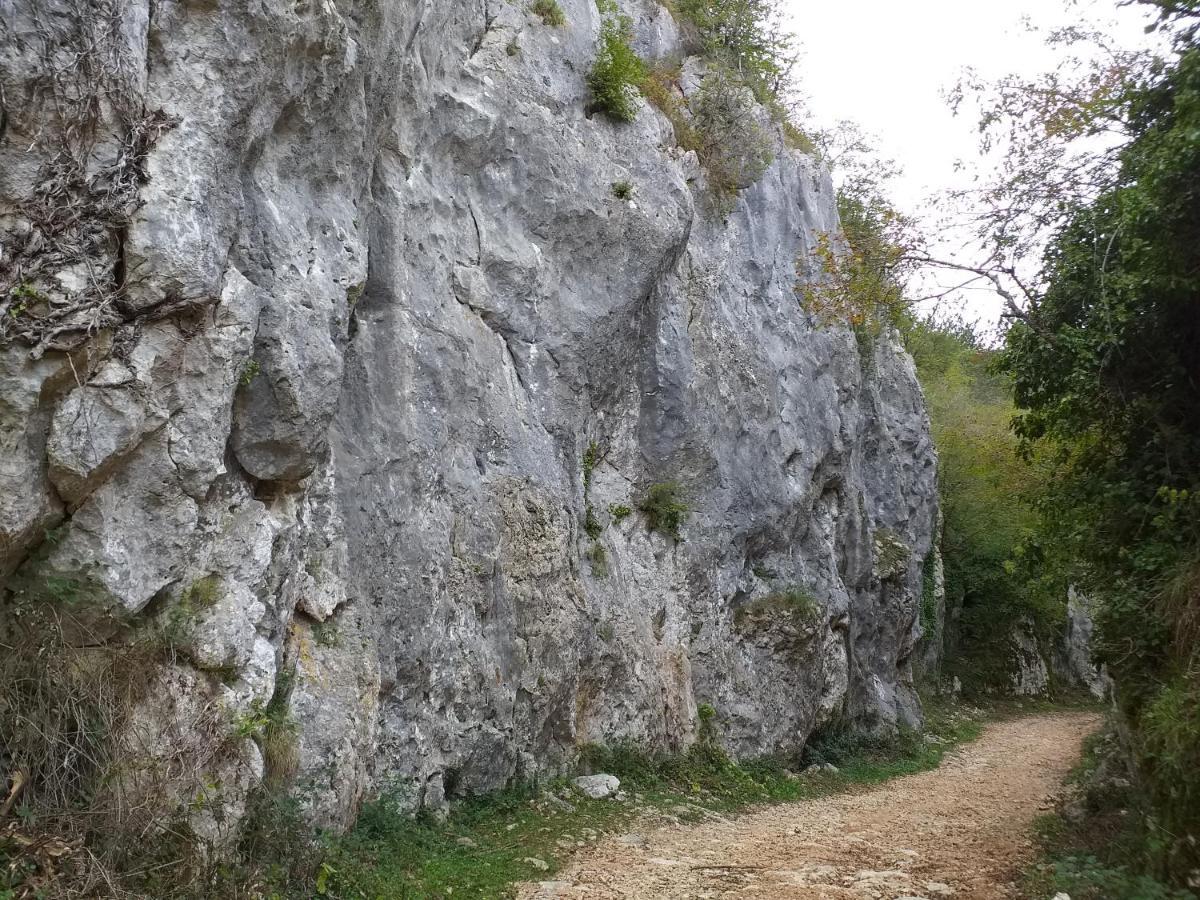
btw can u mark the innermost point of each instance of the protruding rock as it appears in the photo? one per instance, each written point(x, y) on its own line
point(92, 432)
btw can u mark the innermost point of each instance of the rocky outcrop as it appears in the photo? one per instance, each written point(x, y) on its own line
point(371, 370)
point(1072, 657)
point(1030, 677)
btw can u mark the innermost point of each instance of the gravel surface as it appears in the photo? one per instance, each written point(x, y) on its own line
point(962, 830)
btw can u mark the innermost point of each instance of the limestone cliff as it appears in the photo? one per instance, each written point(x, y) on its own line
point(326, 330)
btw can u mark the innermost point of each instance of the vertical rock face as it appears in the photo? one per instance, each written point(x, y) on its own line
point(1072, 658)
point(373, 371)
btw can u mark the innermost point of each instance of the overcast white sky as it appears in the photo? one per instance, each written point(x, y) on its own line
point(887, 64)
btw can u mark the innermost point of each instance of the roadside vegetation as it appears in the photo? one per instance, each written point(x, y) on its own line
point(1092, 847)
point(486, 844)
point(527, 833)
point(1087, 225)
point(1105, 361)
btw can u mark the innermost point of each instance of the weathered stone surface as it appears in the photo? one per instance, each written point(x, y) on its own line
point(406, 304)
point(1072, 658)
point(93, 430)
point(1030, 675)
point(597, 787)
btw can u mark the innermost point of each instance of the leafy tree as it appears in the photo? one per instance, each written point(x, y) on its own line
point(1106, 368)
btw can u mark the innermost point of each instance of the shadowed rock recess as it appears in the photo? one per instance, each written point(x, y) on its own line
point(334, 330)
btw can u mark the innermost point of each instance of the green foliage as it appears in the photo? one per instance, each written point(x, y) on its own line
point(797, 138)
point(733, 146)
point(745, 37)
point(550, 12)
point(326, 634)
point(856, 277)
point(987, 491)
point(22, 297)
point(660, 87)
point(619, 512)
point(929, 601)
point(617, 71)
point(1100, 852)
point(1106, 367)
point(665, 508)
point(591, 459)
point(622, 190)
point(251, 371)
point(591, 525)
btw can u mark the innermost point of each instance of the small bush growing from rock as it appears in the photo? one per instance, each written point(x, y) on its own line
point(619, 512)
point(550, 12)
point(617, 71)
point(734, 147)
point(252, 371)
point(622, 190)
point(591, 525)
point(665, 508)
point(591, 459)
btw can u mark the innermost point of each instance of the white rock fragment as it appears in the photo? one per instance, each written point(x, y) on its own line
point(597, 787)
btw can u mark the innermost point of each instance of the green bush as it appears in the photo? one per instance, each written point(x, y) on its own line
point(622, 190)
point(591, 525)
point(665, 508)
point(550, 12)
point(745, 36)
point(992, 574)
point(617, 72)
point(734, 148)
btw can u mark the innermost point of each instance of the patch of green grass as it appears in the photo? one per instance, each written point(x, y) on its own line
point(550, 12)
point(326, 634)
point(1087, 878)
point(591, 458)
point(665, 508)
point(622, 190)
point(249, 373)
point(591, 525)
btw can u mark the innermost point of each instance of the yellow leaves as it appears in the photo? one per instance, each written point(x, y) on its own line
point(839, 283)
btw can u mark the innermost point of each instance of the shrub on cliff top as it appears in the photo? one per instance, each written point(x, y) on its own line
point(617, 71)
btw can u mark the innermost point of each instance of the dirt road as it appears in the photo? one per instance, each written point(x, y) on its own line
point(960, 831)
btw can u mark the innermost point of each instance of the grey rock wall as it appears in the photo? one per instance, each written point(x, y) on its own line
point(322, 396)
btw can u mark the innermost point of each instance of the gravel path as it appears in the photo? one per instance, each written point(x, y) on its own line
point(960, 831)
